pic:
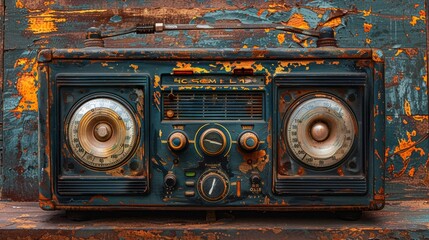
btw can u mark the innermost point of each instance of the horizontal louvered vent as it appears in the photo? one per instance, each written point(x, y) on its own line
point(321, 186)
point(101, 186)
point(213, 106)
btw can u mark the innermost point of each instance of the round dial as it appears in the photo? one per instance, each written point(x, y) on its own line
point(213, 186)
point(102, 133)
point(320, 131)
point(213, 142)
point(249, 141)
point(177, 141)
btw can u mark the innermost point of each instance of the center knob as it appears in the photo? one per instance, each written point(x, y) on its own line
point(102, 132)
point(319, 131)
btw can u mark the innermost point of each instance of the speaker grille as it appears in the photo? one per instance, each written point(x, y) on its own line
point(213, 106)
point(101, 186)
point(321, 186)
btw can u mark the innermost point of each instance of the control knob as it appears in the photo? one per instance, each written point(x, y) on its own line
point(249, 141)
point(177, 141)
point(170, 180)
point(213, 186)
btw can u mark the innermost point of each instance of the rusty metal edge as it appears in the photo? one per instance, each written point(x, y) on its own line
point(2, 15)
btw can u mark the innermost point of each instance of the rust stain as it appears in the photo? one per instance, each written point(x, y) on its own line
point(103, 198)
point(117, 172)
point(257, 159)
point(281, 38)
point(140, 234)
point(407, 108)
point(298, 21)
point(26, 85)
point(367, 27)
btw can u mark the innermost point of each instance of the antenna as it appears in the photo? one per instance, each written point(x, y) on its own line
point(94, 37)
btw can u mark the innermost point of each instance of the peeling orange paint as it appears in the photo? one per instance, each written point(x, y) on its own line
point(389, 118)
point(368, 41)
point(26, 85)
point(367, 27)
point(281, 38)
point(188, 66)
point(407, 108)
point(417, 88)
point(289, 64)
point(335, 22)
point(408, 143)
point(135, 67)
point(297, 20)
point(404, 121)
point(421, 17)
point(367, 13)
point(44, 23)
point(411, 172)
point(156, 81)
point(420, 118)
point(19, 4)
point(398, 52)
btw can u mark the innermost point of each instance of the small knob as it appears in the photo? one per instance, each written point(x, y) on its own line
point(177, 141)
point(213, 186)
point(103, 132)
point(319, 131)
point(170, 180)
point(249, 141)
point(255, 179)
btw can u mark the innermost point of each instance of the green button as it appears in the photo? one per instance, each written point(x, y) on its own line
point(190, 174)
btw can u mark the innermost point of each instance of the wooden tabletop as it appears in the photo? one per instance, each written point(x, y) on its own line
point(398, 220)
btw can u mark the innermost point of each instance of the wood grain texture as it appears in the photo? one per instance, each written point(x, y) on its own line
point(399, 220)
point(399, 28)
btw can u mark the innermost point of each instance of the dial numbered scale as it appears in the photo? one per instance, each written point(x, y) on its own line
point(320, 130)
point(102, 133)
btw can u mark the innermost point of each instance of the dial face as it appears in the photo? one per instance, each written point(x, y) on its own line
point(320, 131)
point(213, 141)
point(102, 133)
point(213, 186)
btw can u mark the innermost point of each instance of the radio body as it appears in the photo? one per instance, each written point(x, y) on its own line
point(225, 129)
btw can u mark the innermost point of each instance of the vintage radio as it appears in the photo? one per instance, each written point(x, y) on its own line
point(204, 129)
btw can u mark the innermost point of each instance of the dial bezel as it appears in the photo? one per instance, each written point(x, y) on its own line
point(298, 102)
point(134, 119)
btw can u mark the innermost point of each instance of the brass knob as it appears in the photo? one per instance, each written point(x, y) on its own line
point(177, 141)
point(102, 132)
point(249, 141)
point(319, 131)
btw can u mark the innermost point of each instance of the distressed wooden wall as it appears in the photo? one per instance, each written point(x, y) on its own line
point(398, 27)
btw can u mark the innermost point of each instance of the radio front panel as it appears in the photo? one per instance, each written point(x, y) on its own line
point(127, 130)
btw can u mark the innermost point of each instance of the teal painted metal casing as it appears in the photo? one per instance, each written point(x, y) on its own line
point(149, 80)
